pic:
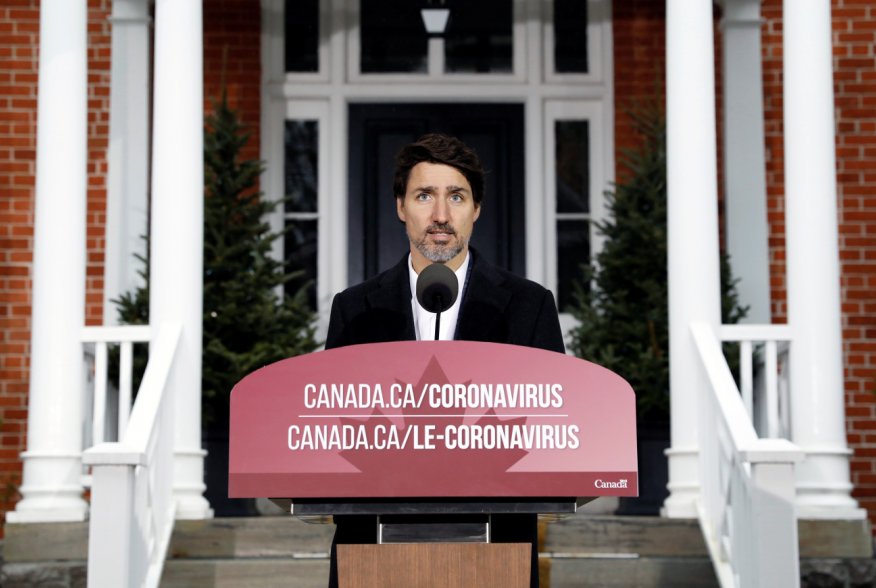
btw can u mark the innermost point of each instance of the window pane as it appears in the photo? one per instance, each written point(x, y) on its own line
point(302, 35)
point(393, 37)
point(300, 247)
point(479, 36)
point(573, 169)
point(302, 141)
point(573, 251)
point(570, 36)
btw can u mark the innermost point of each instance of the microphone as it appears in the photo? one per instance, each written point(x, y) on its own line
point(437, 288)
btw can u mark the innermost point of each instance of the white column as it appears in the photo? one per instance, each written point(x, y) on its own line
point(692, 217)
point(128, 158)
point(52, 488)
point(176, 264)
point(817, 404)
point(745, 212)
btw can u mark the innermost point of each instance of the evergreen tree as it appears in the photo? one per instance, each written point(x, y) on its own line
point(622, 299)
point(247, 322)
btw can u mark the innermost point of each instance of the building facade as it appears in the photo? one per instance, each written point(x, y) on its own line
point(331, 88)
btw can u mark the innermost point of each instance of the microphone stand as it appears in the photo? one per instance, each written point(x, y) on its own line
point(438, 316)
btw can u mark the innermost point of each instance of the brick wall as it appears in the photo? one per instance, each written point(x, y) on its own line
point(99, 62)
point(232, 52)
point(771, 51)
point(854, 33)
point(639, 37)
point(19, 31)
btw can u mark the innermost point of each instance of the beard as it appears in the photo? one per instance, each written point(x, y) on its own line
point(435, 252)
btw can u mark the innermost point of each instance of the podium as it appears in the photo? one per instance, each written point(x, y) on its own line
point(434, 442)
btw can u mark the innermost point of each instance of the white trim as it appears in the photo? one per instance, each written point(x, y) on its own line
point(273, 38)
point(534, 144)
point(128, 153)
point(745, 207)
point(416, 89)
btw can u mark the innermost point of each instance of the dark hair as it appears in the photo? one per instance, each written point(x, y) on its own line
point(439, 148)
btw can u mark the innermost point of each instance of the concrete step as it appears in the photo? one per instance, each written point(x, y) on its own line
point(577, 551)
point(581, 550)
point(261, 552)
point(611, 551)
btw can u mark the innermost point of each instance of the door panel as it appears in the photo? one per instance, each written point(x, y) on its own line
point(378, 131)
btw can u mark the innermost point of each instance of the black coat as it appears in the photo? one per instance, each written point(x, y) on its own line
point(497, 307)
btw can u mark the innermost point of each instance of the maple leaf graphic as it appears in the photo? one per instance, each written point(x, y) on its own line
point(438, 463)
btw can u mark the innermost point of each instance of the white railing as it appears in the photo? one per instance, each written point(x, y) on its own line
point(763, 375)
point(132, 506)
point(746, 510)
point(106, 408)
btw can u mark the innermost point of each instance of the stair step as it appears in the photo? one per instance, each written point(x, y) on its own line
point(639, 536)
point(252, 573)
point(250, 537)
point(650, 572)
point(580, 550)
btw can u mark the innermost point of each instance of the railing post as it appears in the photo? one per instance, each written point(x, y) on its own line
point(774, 534)
point(112, 519)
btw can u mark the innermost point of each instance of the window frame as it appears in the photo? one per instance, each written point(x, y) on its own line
point(594, 113)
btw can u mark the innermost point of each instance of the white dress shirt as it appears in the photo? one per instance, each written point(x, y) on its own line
point(424, 321)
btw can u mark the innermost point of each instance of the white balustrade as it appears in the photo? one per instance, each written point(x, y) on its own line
point(132, 504)
point(763, 374)
point(101, 338)
point(746, 510)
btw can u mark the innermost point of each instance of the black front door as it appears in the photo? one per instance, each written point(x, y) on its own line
point(378, 131)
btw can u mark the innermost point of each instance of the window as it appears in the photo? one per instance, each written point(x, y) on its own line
point(575, 180)
point(479, 37)
point(570, 36)
point(487, 37)
point(301, 20)
point(576, 34)
point(301, 170)
point(572, 189)
point(392, 37)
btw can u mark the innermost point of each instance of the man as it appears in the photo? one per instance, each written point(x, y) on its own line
point(439, 188)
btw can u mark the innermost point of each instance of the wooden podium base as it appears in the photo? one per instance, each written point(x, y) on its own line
point(434, 565)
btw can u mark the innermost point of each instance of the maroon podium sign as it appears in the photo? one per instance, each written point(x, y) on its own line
point(432, 419)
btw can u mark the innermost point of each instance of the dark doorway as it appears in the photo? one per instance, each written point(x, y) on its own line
point(377, 131)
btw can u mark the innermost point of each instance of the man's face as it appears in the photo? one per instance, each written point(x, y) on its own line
point(439, 212)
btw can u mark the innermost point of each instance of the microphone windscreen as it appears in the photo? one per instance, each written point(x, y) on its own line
point(437, 287)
